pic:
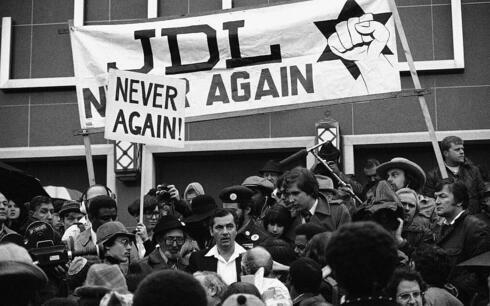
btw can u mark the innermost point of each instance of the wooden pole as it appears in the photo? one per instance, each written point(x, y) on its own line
point(416, 82)
point(142, 191)
point(88, 158)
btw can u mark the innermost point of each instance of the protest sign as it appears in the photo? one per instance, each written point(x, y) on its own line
point(238, 60)
point(145, 109)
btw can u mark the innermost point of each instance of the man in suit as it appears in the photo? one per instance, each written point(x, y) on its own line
point(461, 235)
point(225, 257)
point(307, 204)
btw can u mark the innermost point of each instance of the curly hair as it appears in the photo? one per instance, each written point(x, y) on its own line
point(403, 274)
point(363, 257)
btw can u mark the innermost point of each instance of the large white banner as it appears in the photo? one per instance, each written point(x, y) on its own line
point(246, 59)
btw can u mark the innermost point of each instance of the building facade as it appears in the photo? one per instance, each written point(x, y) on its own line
point(449, 40)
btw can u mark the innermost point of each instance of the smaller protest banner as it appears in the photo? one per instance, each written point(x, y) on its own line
point(145, 109)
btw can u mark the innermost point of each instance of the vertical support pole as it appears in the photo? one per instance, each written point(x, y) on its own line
point(416, 82)
point(142, 190)
point(88, 158)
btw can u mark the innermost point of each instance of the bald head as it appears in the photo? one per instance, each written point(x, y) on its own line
point(256, 258)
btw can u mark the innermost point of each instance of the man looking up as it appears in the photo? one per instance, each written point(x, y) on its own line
point(224, 258)
point(458, 168)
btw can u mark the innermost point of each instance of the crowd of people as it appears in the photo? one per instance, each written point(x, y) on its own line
point(283, 237)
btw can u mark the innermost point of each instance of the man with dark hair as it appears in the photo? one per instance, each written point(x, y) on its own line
point(362, 256)
point(102, 209)
point(458, 168)
point(463, 236)
point(239, 199)
point(42, 209)
point(170, 288)
point(306, 277)
point(303, 234)
point(117, 242)
point(307, 204)
point(224, 258)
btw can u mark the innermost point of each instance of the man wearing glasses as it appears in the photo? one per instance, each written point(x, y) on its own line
point(169, 235)
point(116, 242)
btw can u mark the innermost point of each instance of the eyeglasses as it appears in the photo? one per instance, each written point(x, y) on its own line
point(170, 240)
point(405, 296)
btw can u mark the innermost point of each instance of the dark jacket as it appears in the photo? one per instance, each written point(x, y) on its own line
point(468, 174)
point(156, 261)
point(328, 215)
point(307, 299)
point(252, 235)
point(466, 238)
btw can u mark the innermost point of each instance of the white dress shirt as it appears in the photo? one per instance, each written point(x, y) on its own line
point(227, 269)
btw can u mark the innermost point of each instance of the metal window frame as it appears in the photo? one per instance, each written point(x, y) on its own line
point(78, 20)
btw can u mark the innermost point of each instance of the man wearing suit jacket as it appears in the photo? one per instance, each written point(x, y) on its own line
point(225, 257)
point(308, 205)
point(462, 236)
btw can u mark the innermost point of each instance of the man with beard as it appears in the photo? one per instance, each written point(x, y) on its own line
point(169, 234)
point(402, 173)
point(308, 205)
point(239, 199)
point(225, 257)
point(261, 199)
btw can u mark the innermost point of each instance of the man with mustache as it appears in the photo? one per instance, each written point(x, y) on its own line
point(225, 257)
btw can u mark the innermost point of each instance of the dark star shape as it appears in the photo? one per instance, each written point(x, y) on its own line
point(327, 27)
